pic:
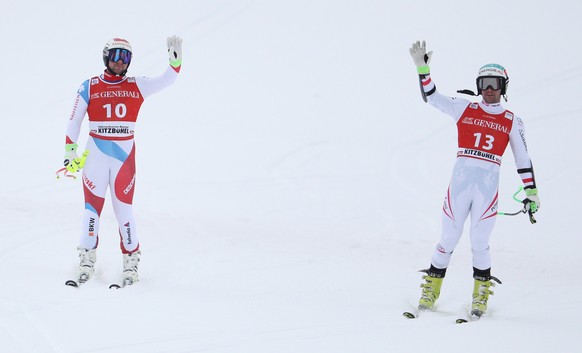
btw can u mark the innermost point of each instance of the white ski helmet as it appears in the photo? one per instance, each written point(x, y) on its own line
point(495, 71)
point(117, 43)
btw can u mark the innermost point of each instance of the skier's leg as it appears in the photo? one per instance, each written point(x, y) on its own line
point(455, 211)
point(95, 181)
point(480, 234)
point(95, 177)
point(123, 181)
point(123, 186)
point(483, 218)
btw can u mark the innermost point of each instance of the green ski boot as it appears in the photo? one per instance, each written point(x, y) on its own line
point(481, 293)
point(431, 290)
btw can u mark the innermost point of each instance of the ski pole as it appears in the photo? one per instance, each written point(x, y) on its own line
point(511, 214)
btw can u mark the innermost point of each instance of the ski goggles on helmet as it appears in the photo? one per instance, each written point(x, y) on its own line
point(116, 54)
point(495, 83)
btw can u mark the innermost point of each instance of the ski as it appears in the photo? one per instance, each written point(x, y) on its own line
point(72, 283)
point(126, 282)
point(77, 283)
point(471, 318)
point(409, 315)
point(462, 320)
point(415, 314)
point(474, 315)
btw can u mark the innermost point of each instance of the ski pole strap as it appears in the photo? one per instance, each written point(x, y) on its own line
point(517, 200)
point(65, 172)
point(517, 192)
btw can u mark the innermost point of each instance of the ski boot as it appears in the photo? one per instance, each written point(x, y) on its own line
point(431, 289)
point(87, 259)
point(481, 292)
point(130, 263)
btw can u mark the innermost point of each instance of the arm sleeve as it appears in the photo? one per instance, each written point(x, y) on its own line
point(519, 148)
point(454, 107)
point(78, 113)
point(151, 85)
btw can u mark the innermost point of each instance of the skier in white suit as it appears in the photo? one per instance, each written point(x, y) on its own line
point(484, 131)
point(112, 102)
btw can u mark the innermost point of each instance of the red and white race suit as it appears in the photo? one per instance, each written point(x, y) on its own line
point(484, 131)
point(112, 104)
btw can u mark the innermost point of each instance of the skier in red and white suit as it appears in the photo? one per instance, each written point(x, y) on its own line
point(112, 101)
point(484, 131)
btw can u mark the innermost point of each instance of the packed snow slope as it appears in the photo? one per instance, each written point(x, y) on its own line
point(290, 182)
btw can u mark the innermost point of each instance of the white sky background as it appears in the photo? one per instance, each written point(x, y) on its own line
point(290, 183)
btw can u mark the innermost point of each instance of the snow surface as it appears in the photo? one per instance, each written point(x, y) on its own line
point(290, 183)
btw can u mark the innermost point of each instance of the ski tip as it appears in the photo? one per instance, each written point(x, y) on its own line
point(71, 283)
point(461, 321)
point(409, 315)
point(114, 286)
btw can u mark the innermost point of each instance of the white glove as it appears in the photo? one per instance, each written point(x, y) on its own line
point(421, 57)
point(175, 51)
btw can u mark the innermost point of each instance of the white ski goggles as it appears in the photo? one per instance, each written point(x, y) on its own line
point(495, 83)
